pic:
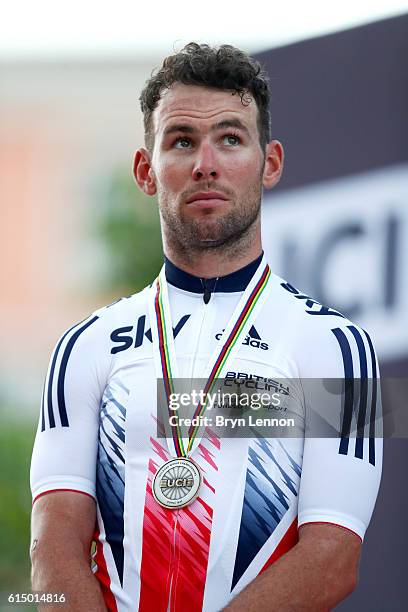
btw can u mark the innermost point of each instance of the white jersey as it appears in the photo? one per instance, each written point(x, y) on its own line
point(97, 435)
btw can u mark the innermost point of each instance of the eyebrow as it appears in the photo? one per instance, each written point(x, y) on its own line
point(220, 125)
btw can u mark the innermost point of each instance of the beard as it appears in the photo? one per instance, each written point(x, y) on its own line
point(211, 230)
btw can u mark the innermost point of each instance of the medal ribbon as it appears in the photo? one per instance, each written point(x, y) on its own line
point(164, 350)
point(246, 308)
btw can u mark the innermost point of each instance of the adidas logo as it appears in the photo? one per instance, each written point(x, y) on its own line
point(253, 339)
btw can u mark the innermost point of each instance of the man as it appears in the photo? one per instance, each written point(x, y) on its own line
point(239, 523)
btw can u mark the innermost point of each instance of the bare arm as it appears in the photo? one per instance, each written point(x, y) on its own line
point(62, 526)
point(314, 576)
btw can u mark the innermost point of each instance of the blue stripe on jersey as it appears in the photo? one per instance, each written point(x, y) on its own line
point(266, 500)
point(363, 402)
point(110, 475)
point(63, 368)
point(42, 410)
point(63, 414)
point(371, 452)
point(359, 449)
point(349, 389)
point(51, 419)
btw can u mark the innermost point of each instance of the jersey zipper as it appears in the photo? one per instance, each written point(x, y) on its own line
point(204, 310)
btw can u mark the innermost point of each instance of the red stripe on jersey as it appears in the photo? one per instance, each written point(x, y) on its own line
point(207, 455)
point(176, 545)
point(102, 575)
point(288, 541)
point(59, 491)
point(158, 541)
point(194, 533)
point(212, 437)
point(334, 525)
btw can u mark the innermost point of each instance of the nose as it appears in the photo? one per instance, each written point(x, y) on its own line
point(205, 165)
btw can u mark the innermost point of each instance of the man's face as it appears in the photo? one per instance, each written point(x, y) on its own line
point(207, 166)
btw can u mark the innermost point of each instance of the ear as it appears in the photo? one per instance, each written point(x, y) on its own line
point(274, 158)
point(143, 172)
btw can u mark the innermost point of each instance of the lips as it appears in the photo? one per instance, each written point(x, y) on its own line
point(206, 195)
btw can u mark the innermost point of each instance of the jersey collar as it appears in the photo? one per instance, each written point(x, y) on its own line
point(236, 281)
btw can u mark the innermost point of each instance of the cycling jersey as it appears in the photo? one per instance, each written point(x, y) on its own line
point(97, 434)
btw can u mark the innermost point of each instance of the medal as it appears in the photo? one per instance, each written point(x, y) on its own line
point(177, 482)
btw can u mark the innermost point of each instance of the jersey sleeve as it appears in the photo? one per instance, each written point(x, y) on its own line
point(65, 447)
point(342, 458)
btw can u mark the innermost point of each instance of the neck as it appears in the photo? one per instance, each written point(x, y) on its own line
point(215, 261)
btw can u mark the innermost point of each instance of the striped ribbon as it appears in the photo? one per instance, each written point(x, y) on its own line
point(232, 339)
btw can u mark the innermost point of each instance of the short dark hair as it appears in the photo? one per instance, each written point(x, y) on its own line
point(224, 67)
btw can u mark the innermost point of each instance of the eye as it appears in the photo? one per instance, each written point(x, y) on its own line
point(232, 140)
point(182, 143)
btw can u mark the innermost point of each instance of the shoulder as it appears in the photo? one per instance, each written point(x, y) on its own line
point(89, 341)
point(325, 341)
point(124, 307)
point(83, 356)
point(122, 311)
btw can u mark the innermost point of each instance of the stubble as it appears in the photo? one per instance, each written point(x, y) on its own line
point(228, 234)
